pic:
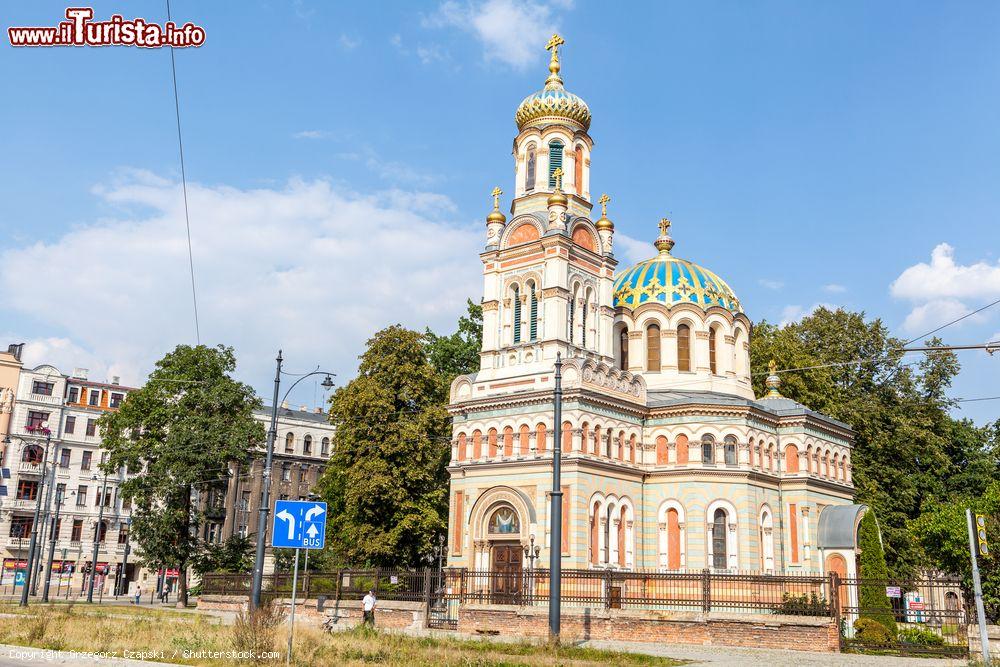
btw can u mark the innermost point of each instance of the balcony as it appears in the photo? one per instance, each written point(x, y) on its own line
point(27, 468)
point(19, 504)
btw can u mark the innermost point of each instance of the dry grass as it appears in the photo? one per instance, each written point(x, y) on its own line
point(176, 636)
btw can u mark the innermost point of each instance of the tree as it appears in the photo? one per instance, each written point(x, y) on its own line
point(236, 554)
point(178, 433)
point(387, 483)
point(458, 354)
point(873, 602)
point(942, 531)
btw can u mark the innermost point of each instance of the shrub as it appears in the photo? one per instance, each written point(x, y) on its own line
point(920, 637)
point(873, 602)
point(254, 630)
point(803, 605)
point(870, 631)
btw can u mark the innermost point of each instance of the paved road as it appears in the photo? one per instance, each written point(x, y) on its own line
point(752, 657)
point(19, 656)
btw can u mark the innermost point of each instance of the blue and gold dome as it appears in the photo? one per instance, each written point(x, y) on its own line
point(553, 102)
point(671, 281)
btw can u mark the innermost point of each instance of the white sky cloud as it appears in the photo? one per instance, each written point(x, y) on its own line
point(510, 32)
point(310, 267)
point(311, 134)
point(834, 288)
point(771, 284)
point(793, 313)
point(941, 290)
point(631, 251)
point(348, 42)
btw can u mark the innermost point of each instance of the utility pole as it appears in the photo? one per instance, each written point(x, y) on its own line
point(33, 542)
point(128, 537)
point(977, 587)
point(555, 512)
point(97, 539)
point(265, 496)
point(37, 569)
point(53, 535)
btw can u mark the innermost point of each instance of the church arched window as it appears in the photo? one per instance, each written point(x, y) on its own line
point(578, 169)
point(719, 546)
point(707, 449)
point(572, 313)
point(533, 315)
point(529, 171)
point(583, 320)
point(653, 348)
point(712, 366)
point(504, 521)
point(623, 349)
point(683, 347)
point(729, 448)
point(555, 160)
point(516, 296)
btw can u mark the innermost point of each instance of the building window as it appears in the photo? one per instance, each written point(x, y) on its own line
point(116, 400)
point(623, 349)
point(516, 296)
point(572, 312)
point(102, 531)
point(77, 534)
point(36, 419)
point(74, 395)
point(683, 348)
point(26, 490)
point(123, 534)
point(286, 472)
point(91, 427)
point(578, 169)
point(42, 388)
point(20, 526)
point(85, 461)
point(555, 161)
point(583, 323)
point(307, 444)
point(719, 546)
point(289, 443)
point(32, 454)
point(64, 458)
point(712, 331)
point(81, 495)
point(707, 449)
point(324, 447)
point(533, 315)
point(730, 450)
point(653, 348)
point(95, 398)
point(245, 501)
point(529, 171)
point(70, 424)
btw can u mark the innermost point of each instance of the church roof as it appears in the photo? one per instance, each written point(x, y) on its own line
point(553, 102)
point(780, 407)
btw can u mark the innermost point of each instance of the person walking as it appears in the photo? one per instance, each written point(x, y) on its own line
point(138, 592)
point(165, 593)
point(368, 605)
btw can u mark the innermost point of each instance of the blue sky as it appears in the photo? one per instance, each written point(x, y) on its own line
point(340, 158)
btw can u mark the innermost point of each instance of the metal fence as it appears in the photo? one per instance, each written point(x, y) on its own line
point(346, 584)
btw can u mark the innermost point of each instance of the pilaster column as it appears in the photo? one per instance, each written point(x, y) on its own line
point(805, 536)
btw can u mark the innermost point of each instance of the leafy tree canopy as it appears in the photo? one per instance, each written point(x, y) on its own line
point(458, 354)
point(178, 434)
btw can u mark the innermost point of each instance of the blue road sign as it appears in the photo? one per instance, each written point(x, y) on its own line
point(299, 524)
point(19, 577)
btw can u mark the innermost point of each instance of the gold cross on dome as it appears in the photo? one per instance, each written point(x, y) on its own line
point(557, 175)
point(664, 225)
point(496, 197)
point(604, 204)
point(554, 43)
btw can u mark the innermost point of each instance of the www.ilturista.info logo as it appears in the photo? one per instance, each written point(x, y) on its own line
point(80, 30)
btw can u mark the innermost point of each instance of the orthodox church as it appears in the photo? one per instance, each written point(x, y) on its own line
point(669, 460)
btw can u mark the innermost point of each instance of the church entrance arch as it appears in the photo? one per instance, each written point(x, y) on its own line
point(503, 528)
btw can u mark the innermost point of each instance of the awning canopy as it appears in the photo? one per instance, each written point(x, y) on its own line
point(838, 526)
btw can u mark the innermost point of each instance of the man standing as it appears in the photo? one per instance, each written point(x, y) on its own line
point(368, 604)
point(138, 592)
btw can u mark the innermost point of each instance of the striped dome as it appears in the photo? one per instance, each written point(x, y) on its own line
point(555, 103)
point(670, 281)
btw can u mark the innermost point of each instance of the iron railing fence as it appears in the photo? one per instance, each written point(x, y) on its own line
point(345, 584)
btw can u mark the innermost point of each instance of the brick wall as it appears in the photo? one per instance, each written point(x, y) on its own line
point(719, 629)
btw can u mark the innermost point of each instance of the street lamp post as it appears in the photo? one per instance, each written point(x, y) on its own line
point(45, 516)
point(53, 535)
point(118, 584)
point(265, 498)
point(97, 538)
point(555, 513)
point(33, 542)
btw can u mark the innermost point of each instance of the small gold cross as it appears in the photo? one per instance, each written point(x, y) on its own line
point(496, 198)
point(604, 205)
point(664, 225)
point(554, 43)
point(557, 175)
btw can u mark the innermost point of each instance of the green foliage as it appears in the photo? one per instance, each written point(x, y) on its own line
point(387, 483)
point(179, 432)
point(872, 600)
point(458, 354)
point(920, 637)
point(803, 605)
point(943, 533)
point(909, 452)
point(234, 555)
point(870, 631)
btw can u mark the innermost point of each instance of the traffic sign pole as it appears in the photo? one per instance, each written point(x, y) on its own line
point(291, 623)
point(984, 639)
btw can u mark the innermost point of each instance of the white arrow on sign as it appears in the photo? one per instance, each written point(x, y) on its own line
point(315, 510)
point(285, 515)
point(311, 531)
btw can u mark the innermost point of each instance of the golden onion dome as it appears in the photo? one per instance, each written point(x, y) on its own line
point(557, 198)
point(495, 215)
point(553, 102)
point(604, 223)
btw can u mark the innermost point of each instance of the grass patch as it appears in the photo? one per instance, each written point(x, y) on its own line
point(68, 627)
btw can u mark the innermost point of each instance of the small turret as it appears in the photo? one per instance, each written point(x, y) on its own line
point(557, 203)
point(495, 221)
point(605, 228)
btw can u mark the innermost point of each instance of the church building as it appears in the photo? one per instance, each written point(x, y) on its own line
point(669, 460)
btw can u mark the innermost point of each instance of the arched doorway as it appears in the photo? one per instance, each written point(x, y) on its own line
point(836, 563)
point(503, 530)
